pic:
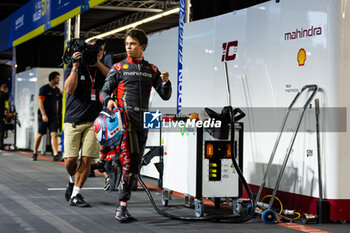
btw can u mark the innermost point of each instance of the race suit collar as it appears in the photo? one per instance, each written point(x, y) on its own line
point(134, 61)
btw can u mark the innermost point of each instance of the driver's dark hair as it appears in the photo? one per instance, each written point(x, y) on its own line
point(137, 34)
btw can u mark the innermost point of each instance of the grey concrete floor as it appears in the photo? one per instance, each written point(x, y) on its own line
point(32, 200)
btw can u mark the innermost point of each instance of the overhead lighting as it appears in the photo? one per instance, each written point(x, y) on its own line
point(146, 20)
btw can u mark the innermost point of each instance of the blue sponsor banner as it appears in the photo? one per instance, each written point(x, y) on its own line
point(37, 16)
point(61, 7)
point(5, 26)
point(182, 6)
point(28, 18)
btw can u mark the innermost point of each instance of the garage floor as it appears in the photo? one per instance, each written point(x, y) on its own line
point(32, 200)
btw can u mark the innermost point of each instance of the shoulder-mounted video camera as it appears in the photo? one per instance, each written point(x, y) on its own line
point(88, 52)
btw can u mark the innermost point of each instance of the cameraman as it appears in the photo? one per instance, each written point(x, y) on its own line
point(82, 85)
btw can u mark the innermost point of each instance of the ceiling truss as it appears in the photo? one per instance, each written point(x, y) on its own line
point(151, 4)
point(140, 9)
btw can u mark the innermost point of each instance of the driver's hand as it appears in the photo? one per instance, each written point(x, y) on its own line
point(111, 104)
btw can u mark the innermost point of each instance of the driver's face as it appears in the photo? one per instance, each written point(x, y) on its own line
point(133, 47)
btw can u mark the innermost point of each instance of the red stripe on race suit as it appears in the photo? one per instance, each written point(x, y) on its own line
point(120, 93)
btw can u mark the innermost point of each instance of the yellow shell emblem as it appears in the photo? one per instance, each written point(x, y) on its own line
point(301, 57)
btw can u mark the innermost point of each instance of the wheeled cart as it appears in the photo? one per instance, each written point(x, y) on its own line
point(199, 165)
point(268, 215)
point(10, 132)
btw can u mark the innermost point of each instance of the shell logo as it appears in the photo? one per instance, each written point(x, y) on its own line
point(125, 66)
point(301, 57)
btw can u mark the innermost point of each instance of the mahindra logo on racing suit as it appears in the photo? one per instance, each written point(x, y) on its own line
point(226, 56)
point(313, 31)
point(144, 74)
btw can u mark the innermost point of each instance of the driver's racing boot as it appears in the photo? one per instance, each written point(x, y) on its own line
point(122, 215)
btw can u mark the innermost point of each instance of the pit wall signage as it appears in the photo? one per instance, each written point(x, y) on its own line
point(229, 50)
point(303, 33)
point(182, 6)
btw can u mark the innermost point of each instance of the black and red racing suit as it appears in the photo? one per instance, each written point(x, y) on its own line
point(133, 80)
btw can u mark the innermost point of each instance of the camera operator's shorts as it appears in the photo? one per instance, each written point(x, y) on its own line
point(80, 136)
point(52, 124)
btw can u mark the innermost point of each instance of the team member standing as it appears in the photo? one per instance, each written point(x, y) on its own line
point(48, 114)
point(4, 111)
point(133, 78)
point(82, 85)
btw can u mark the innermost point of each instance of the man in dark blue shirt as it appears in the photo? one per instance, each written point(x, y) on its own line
point(47, 114)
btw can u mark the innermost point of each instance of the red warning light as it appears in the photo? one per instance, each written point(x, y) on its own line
point(228, 151)
point(209, 150)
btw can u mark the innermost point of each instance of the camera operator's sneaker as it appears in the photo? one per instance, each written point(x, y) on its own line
point(57, 158)
point(107, 184)
point(79, 201)
point(35, 156)
point(69, 191)
point(122, 215)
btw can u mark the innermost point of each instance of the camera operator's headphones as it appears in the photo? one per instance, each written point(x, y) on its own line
point(98, 43)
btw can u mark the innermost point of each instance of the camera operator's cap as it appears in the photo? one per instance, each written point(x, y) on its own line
point(98, 43)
